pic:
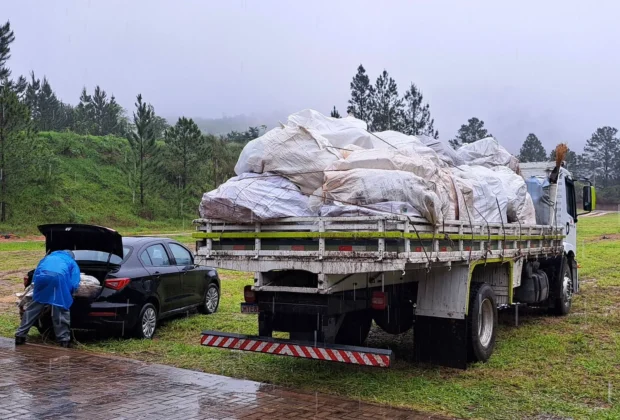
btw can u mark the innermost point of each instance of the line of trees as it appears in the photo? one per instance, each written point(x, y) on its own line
point(600, 159)
point(177, 161)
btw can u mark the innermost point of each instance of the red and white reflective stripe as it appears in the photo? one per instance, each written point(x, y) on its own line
point(295, 350)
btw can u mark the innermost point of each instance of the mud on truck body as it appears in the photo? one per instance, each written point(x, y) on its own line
point(325, 279)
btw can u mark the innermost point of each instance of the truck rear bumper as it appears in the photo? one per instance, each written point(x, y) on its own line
point(365, 356)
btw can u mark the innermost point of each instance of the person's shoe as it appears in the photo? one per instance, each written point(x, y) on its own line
point(20, 340)
point(65, 344)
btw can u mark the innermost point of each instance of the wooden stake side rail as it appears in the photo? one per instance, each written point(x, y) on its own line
point(373, 243)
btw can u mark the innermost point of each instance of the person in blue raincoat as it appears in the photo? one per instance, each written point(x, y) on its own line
point(55, 279)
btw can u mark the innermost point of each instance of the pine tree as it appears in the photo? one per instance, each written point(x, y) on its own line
point(15, 127)
point(113, 120)
point(468, 133)
point(335, 113)
point(144, 149)
point(6, 39)
point(184, 144)
point(417, 115)
point(84, 114)
point(99, 110)
point(532, 150)
point(361, 94)
point(603, 148)
point(387, 107)
point(48, 106)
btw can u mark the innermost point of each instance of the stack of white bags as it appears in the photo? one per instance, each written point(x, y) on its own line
point(320, 166)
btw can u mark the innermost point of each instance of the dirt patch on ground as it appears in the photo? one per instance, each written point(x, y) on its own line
point(9, 237)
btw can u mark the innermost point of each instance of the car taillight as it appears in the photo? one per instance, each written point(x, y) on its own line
point(248, 294)
point(378, 301)
point(116, 284)
point(26, 280)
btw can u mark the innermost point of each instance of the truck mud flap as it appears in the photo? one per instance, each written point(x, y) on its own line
point(364, 356)
point(440, 341)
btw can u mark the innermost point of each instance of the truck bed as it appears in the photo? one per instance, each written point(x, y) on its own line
point(365, 244)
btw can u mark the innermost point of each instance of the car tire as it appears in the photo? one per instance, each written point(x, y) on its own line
point(482, 322)
point(562, 291)
point(211, 299)
point(147, 322)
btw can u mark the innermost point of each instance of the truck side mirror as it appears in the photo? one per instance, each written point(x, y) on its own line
point(589, 198)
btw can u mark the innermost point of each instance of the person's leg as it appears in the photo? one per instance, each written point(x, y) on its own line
point(61, 319)
point(31, 315)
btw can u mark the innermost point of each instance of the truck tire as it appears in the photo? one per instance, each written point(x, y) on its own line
point(481, 322)
point(355, 328)
point(562, 290)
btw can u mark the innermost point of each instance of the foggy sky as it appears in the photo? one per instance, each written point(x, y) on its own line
point(548, 67)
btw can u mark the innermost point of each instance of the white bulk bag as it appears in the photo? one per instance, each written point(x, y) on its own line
point(255, 197)
point(296, 153)
point(371, 186)
point(488, 153)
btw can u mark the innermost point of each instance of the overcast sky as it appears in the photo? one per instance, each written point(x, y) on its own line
point(548, 67)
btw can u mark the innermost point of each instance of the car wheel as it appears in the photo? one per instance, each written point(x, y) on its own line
point(211, 299)
point(482, 319)
point(147, 322)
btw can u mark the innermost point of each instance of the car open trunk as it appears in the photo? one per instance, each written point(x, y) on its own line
point(98, 250)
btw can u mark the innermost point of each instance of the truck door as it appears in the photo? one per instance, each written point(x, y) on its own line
point(570, 216)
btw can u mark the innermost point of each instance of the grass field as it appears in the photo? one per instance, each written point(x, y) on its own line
point(549, 367)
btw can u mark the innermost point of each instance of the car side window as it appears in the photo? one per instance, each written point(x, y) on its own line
point(181, 255)
point(146, 260)
point(156, 256)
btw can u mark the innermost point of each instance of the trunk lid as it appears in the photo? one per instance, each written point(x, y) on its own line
point(76, 237)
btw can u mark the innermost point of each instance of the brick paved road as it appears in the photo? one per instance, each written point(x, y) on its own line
point(49, 382)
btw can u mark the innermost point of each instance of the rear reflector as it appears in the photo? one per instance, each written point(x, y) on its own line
point(378, 301)
point(102, 314)
point(116, 284)
point(238, 247)
point(248, 294)
point(334, 353)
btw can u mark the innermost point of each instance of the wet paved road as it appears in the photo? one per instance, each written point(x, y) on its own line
point(49, 382)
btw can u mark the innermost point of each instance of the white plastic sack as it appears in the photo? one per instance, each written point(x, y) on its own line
point(24, 298)
point(255, 197)
point(520, 205)
point(386, 208)
point(408, 160)
point(483, 194)
point(396, 140)
point(445, 152)
point(338, 131)
point(371, 186)
point(296, 153)
point(488, 153)
point(89, 286)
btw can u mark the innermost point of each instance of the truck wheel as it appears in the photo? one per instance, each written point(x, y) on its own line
point(563, 291)
point(481, 322)
point(355, 328)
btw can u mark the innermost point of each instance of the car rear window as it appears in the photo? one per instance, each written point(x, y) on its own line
point(98, 256)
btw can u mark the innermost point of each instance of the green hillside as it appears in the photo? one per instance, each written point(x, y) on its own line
point(80, 179)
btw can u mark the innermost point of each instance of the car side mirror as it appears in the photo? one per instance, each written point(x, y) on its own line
point(589, 198)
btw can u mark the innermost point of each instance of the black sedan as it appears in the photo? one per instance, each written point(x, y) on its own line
point(143, 279)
